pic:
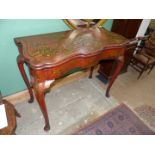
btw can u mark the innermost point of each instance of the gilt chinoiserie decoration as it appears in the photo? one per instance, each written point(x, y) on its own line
point(51, 56)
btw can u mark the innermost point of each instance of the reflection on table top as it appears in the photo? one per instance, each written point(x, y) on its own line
point(54, 47)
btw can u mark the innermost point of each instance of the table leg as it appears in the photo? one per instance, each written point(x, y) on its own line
point(91, 72)
point(120, 62)
point(20, 62)
point(39, 89)
point(17, 113)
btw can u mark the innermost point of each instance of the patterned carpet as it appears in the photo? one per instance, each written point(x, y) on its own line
point(147, 113)
point(118, 121)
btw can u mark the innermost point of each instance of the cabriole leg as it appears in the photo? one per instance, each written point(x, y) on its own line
point(120, 62)
point(20, 62)
point(91, 72)
point(39, 89)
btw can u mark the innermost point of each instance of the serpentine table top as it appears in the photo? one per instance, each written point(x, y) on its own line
point(51, 49)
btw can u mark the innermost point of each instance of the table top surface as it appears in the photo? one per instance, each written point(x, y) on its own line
point(53, 48)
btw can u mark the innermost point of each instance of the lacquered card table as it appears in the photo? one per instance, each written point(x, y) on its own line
point(51, 56)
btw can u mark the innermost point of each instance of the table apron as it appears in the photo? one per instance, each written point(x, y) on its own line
point(58, 71)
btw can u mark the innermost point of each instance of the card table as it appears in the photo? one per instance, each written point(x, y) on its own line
point(50, 56)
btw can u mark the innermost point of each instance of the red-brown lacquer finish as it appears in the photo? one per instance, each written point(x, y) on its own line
point(51, 56)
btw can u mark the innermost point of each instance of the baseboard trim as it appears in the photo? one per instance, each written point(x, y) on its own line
point(18, 97)
point(24, 95)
